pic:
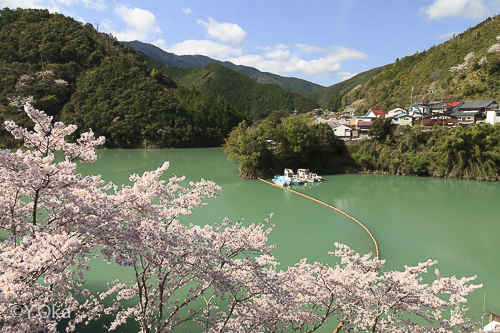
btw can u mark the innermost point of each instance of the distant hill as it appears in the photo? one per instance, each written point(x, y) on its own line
point(84, 77)
point(323, 96)
point(253, 98)
point(464, 68)
point(187, 61)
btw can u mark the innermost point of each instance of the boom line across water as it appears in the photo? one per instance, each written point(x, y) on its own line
point(330, 206)
point(341, 212)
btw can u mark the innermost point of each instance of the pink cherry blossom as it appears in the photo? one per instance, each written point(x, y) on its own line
point(222, 276)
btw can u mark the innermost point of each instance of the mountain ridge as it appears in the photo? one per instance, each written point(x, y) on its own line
point(463, 68)
point(84, 77)
point(325, 95)
point(318, 93)
point(187, 61)
point(253, 98)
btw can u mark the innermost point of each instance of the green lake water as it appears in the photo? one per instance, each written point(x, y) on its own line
point(412, 218)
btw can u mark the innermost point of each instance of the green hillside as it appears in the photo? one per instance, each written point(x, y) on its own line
point(239, 90)
point(155, 52)
point(288, 83)
point(187, 61)
point(324, 96)
point(439, 73)
point(89, 79)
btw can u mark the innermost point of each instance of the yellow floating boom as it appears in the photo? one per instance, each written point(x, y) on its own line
point(341, 212)
point(327, 205)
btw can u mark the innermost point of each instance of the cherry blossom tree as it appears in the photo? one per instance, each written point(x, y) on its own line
point(368, 298)
point(57, 219)
point(468, 59)
point(222, 276)
point(495, 47)
point(46, 209)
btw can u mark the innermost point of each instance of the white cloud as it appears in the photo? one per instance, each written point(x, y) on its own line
point(204, 47)
point(252, 60)
point(187, 11)
point(107, 25)
point(95, 4)
point(278, 54)
point(347, 75)
point(161, 43)
point(310, 49)
point(225, 32)
point(38, 4)
point(18, 3)
point(141, 23)
point(75, 16)
point(448, 35)
point(276, 47)
point(64, 2)
point(476, 9)
point(53, 5)
point(279, 60)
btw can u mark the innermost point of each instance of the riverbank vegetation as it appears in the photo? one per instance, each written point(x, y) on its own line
point(282, 141)
point(462, 152)
point(279, 142)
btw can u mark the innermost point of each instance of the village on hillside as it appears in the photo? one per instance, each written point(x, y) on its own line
point(423, 112)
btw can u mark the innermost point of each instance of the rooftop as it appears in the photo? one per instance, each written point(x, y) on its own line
point(378, 113)
point(452, 104)
point(364, 123)
point(486, 104)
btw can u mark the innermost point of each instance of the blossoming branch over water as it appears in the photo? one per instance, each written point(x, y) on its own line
point(223, 276)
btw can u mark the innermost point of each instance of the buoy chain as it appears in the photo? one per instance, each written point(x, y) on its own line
point(344, 213)
point(334, 208)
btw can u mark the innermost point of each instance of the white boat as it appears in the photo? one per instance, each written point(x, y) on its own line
point(307, 176)
point(288, 178)
point(316, 177)
point(280, 181)
point(288, 174)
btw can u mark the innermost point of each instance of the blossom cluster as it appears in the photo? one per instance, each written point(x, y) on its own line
point(495, 47)
point(468, 59)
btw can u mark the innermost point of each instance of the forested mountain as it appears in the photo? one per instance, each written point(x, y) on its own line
point(466, 67)
point(89, 79)
point(187, 61)
point(253, 98)
point(79, 75)
point(325, 95)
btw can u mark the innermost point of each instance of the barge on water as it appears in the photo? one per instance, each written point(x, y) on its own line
point(302, 176)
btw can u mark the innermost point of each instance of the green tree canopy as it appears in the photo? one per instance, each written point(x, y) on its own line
point(278, 142)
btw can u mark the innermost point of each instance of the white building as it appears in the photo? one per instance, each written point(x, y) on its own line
point(493, 116)
point(395, 111)
point(343, 131)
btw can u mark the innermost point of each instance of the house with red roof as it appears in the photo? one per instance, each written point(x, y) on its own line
point(450, 107)
point(374, 113)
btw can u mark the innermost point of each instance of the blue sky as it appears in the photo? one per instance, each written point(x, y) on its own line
point(322, 41)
